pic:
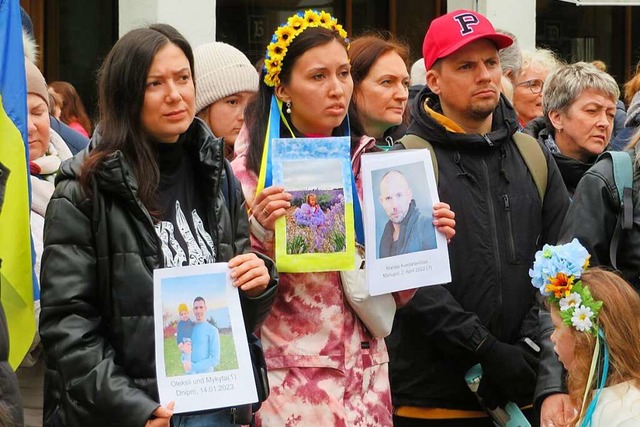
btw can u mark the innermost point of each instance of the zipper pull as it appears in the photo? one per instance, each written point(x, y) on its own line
point(505, 199)
point(486, 138)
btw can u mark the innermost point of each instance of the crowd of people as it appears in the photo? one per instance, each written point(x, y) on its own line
point(180, 149)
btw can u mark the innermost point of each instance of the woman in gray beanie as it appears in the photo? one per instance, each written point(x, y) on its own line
point(225, 83)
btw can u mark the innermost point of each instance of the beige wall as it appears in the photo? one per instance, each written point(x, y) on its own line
point(515, 16)
point(195, 19)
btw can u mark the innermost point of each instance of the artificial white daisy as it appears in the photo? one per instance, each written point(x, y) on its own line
point(581, 318)
point(573, 300)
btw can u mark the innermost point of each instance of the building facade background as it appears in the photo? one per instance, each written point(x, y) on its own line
point(75, 35)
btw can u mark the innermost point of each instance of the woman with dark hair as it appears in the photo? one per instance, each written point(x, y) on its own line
point(72, 111)
point(324, 367)
point(152, 190)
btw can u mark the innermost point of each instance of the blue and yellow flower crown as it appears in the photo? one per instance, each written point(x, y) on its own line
point(556, 273)
point(284, 35)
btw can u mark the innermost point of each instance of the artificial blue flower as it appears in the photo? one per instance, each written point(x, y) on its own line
point(573, 257)
point(570, 259)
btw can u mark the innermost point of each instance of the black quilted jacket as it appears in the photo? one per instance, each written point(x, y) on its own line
point(97, 286)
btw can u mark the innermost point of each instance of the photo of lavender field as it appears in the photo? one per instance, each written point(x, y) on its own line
point(315, 222)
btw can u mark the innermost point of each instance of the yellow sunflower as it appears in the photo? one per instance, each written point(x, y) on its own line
point(285, 34)
point(297, 22)
point(560, 285)
point(340, 31)
point(272, 79)
point(325, 19)
point(273, 64)
point(277, 50)
point(312, 18)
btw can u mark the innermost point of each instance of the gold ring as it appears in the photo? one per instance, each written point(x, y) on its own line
point(265, 212)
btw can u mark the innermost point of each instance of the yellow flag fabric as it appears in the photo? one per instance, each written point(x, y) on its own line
point(17, 278)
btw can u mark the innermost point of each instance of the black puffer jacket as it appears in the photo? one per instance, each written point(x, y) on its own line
point(500, 223)
point(571, 169)
point(97, 286)
point(593, 215)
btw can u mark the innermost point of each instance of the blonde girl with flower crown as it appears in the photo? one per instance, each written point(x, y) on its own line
point(324, 367)
point(596, 315)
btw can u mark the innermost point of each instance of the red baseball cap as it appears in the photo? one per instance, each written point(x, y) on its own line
point(456, 29)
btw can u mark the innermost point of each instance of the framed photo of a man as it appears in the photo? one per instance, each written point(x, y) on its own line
point(403, 217)
point(403, 249)
point(202, 354)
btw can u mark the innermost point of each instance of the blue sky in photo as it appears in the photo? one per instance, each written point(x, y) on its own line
point(184, 289)
point(313, 163)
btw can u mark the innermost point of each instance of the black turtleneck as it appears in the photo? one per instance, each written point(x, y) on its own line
point(169, 156)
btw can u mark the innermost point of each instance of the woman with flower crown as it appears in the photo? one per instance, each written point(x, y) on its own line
point(597, 328)
point(324, 367)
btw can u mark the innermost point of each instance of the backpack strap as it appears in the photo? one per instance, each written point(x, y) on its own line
point(623, 178)
point(535, 160)
point(411, 141)
point(528, 147)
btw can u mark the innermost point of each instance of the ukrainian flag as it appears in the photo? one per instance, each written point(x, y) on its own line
point(16, 272)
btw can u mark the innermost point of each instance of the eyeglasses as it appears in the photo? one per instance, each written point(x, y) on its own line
point(535, 85)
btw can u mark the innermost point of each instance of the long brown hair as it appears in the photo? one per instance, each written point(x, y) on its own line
point(72, 108)
point(364, 53)
point(632, 86)
point(257, 113)
point(619, 318)
point(121, 89)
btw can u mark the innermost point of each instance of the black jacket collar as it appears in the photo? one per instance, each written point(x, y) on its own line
point(115, 176)
point(504, 125)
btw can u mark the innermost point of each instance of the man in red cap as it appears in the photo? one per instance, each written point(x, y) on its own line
point(509, 200)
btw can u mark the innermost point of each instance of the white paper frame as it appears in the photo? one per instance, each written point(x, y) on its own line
point(409, 270)
point(219, 389)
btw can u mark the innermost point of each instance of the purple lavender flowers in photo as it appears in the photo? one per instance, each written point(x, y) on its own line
point(315, 222)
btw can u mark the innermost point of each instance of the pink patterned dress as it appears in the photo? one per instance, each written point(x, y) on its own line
point(324, 367)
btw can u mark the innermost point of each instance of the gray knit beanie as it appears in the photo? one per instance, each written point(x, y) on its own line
point(221, 70)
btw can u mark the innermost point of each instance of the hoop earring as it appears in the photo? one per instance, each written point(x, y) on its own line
point(288, 107)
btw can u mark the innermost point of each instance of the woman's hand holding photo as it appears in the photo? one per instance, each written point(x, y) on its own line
point(249, 274)
point(271, 204)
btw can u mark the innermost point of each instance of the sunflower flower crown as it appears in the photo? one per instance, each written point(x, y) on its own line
point(287, 32)
point(556, 273)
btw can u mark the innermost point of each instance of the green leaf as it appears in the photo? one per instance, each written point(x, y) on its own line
point(566, 316)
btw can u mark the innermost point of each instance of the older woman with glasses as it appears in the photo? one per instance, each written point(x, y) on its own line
point(527, 89)
point(579, 104)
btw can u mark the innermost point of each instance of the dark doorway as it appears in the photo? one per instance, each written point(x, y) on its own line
point(74, 36)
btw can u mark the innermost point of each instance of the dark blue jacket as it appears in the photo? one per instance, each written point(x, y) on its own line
point(75, 141)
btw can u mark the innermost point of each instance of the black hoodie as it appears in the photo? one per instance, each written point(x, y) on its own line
point(500, 223)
